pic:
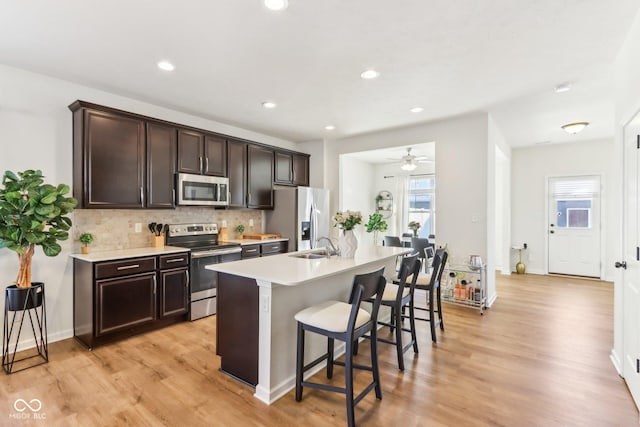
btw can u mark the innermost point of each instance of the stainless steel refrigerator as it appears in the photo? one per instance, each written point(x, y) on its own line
point(300, 214)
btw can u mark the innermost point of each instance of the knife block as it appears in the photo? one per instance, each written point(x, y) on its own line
point(222, 234)
point(157, 241)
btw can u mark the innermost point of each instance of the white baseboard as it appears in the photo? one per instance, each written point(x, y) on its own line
point(615, 360)
point(26, 344)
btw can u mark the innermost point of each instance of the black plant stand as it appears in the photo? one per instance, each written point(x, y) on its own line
point(18, 303)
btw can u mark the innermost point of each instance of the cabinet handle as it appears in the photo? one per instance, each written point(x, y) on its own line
point(252, 250)
point(128, 267)
point(174, 194)
point(186, 284)
point(200, 164)
point(141, 195)
point(206, 164)
point(169, 261)
point(155, 284)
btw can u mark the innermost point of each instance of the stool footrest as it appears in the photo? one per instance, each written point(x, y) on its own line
point(354, 366)
point(315, 362)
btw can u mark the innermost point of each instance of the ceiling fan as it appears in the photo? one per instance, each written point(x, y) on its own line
point(410, 162)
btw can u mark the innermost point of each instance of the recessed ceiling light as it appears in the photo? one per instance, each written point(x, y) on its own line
point(269, 104)
point(369, 74)
point(564, 87)
point(276, 4)
point(417, 110)
point(574, 127)
point(329, 127)
point(166, 66)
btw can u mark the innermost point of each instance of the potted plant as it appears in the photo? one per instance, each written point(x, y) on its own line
point(32, 214)
point(376, 224)
point(414, 226)
point(240, 230)
point(86, 239)
point(346, 221)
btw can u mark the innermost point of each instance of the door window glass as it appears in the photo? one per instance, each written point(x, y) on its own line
point(574, 213)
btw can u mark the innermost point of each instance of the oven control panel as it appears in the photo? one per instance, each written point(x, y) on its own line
point(192, 229)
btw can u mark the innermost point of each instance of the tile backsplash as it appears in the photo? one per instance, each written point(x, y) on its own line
point(115, 228)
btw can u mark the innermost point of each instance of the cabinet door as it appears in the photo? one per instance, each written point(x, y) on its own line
point(125, 302)
point(161, 165)
point(215, 155)
point(300, 170)
point(114, 161)
point(190, 150)
point(283, 173)
point(250, 251)
point(237, 171)
point(174, 292)
point(259, 177)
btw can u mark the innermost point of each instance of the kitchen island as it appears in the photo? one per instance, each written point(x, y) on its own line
point(257, 301)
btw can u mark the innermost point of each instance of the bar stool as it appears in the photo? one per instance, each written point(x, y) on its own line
point(398, 296)
point(346, 322)
point(433, 292)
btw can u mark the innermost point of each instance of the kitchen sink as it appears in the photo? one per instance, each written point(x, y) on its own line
point(311, 255)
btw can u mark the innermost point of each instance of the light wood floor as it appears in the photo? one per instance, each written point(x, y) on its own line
point(539, 357)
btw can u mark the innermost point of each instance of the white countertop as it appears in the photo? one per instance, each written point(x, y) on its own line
point(244, 242)
point(127, 253)
point(290, 271)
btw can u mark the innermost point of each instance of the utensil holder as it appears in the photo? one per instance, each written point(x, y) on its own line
point(157, 241)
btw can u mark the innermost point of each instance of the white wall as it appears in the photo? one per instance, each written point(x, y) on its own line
point(627, 104)
point(36, 133)
point(358, 193)
point(500, 207)
point(532, 167)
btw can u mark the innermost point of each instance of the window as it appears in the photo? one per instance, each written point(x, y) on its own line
point(422, 196)
point(574, 213)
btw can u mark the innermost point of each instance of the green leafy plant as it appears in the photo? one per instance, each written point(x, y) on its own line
point(347, 220)
point(376, 223)
point(240, 229)
point(86, 239)
point(32, 214)
point(414, 226)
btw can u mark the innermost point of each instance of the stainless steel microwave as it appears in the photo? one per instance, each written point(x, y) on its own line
point(202, 190)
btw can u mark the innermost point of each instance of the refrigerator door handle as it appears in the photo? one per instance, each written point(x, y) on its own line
point(312, 224)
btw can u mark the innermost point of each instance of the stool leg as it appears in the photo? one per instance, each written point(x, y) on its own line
point(374, 362)
point(348, 365)
point(329, 357)
point(398, 320)
point(432, 317)
point(440, 310)
point(299, 362)
point(412, 324)
point(392, 320)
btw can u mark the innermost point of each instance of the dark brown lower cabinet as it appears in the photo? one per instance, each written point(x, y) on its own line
point(237, 327)
point(120, 298)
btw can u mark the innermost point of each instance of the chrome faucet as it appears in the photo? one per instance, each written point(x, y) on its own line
point(333, 250)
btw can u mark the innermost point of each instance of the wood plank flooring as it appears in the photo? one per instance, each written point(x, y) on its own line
point(539, 357)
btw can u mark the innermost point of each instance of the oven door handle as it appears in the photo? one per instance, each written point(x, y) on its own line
point(215, 252)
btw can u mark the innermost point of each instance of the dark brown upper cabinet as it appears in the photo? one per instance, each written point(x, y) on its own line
point(161, 165)
point(259, 177)
point(108, 159)
point(291, 168)
point(201, 154)
point(237, 170)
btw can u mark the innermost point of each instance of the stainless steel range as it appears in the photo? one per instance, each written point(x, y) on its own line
point(202, 240)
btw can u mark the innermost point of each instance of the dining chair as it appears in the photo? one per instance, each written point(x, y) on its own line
point(433, 297)
point(345, 322)
point(399, 296)
point(419, 244)
point(392, 241)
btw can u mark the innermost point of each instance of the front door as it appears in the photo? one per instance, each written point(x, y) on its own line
point(631, 276)
point(574, 225)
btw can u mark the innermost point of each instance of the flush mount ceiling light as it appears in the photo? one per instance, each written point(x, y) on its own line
point(166, 66)
point(329, 127)
point(276, 4)
point(269, 104)
point(564, 87)
point(574, 127)
point(417, 110)
point(369, 74)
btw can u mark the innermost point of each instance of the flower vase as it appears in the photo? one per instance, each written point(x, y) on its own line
point(347, 243)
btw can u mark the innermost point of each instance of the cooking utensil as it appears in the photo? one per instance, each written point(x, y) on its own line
point(159, 227)
point(166, 229)
point(152, 227)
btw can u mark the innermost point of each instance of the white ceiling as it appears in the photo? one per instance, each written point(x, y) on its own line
point(450, 57)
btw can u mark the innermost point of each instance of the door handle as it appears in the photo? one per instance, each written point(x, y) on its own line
point(551, 232)
point(622, 264)
point(552, 225)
